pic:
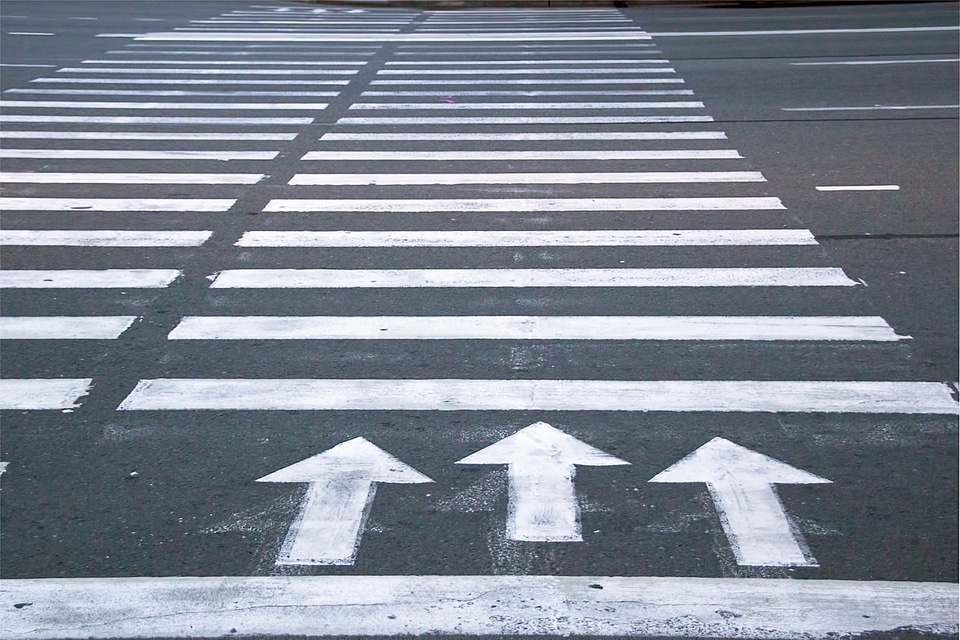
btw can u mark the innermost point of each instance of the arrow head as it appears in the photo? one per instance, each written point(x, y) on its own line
point(351, 456)
point(722, 460)
point(543, 443)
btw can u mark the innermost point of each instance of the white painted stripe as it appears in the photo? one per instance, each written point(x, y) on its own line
point(88, 279)
point(64, 328)
point(115, 204)
point(217, 72)
point(272, 36)
point(171, 93)
point(521, 121)
point(143, 135)
point(416, 278)
point(524, 205)
point(380, 179)
point(529, 94)
point(190, 81)
point(873, 62)
point(530, 136)
point(877, 108)
point(40, 393)
point(598, 154)
point(861, 187)
point(524, 72)
point(219, 106)
point(404, 605)
point(106, 238)
point(28, 33)
point(31, 66)
point(116, 154)
point(227, 63)
point(798, 32)
point(414, 82)
point(805, 396)
point(533, 328)
point(600, 238)
point(132, 178)
point(152, 120)
point(460, 106)
point(467, 63)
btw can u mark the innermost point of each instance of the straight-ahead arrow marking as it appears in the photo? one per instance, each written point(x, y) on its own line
point(542, 463)
point(342, 487)
point(741, 484)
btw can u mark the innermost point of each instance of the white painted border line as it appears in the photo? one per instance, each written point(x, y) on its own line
point(102, 238)
point(42, 393)
point(142, 135)
point(131, 178)
point(417, 278)
point(64, 327)
point(401, 120)
point(123, 154)
point(254, 36)
point(392, 179)
point(88, 279)
point(864, 328)
point(465, 605)
point(152, 120)
point(518, 106)
point(589, 154)
point(264, 394)
point(117, 204)
point(862, 187)
point(876, 108)
point(870, 62)
point(523, 205)
point(218, 106)
point(573, 238)
point(530, 135)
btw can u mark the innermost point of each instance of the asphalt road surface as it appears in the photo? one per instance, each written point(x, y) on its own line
point(586, 321)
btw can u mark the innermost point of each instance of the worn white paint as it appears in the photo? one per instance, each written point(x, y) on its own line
point(105, 238)
point(192, 106)
point(174, 93)
point(500, 36)
point(190, 81)
point(624, 177)
point(449, 82)
point(488, 156)
point(779, 396)
point(531, 136)
point(88, 279)
point(867, 328)
point(143, 135)
point(505, 71)
point(406, 605)
point(599, 238)
point(484, 63)
point(623, 277)
point(499, 205)
point(517, 120)
point(116, 204)
point(877, 107)
point(151, 120)
point(215, 72)
point(741, 484)
point(519, 106)
point(342, 486)
point(124, 154)
point(542, 461)
point(227, 63)
point(132, 178)
point(861, 187)
point(64, 327)
point(43, 393)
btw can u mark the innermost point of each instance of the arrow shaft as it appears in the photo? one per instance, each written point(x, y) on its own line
point(543, 503)
point(331, 520)
point(756, 525)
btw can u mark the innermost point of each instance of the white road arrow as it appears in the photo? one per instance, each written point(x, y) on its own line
point(543, 501)
point(741, 483)
point(342, 486)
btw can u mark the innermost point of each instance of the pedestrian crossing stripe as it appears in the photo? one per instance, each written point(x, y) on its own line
point(105, 238)
point(589, 154)
point(88, 278)
point(131, 178)
point(117, 204)
point(40, 394)
point(64, 327)
point(499, 205)
point(650, 177)
point(125, 154)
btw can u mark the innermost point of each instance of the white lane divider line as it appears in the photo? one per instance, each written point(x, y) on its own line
point(88, 279)
point(866, 328)
point(597, 154)
point(462, 605)
point(598, 238)
point(509, 278)
point(104, 238)
point(116, 204)
point(42, 393)
point(64, 327)
point(770, 396)
point(662, 177)
point(523, 205)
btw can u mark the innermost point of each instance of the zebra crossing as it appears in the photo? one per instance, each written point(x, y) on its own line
point(429, 230)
